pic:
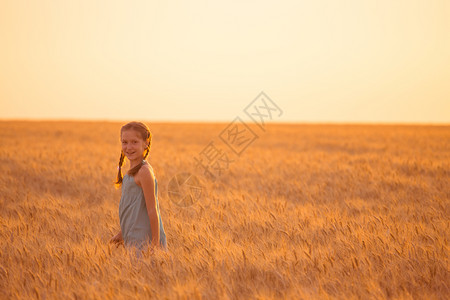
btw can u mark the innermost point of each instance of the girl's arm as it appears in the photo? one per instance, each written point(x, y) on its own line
point(147, 182)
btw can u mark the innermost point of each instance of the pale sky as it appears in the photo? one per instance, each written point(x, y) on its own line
point(320, 61)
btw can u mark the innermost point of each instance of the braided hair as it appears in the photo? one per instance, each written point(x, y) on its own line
point(146, 135)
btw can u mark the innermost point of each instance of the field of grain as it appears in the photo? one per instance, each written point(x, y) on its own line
point(306, 211)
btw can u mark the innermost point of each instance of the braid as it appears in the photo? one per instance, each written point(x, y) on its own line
point(149, 138)
point(119, 171)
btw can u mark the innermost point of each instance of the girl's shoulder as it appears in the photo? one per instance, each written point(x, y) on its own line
point(146, 168)
point(145, 174)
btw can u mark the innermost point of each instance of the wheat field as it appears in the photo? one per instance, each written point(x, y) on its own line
point(307, 211)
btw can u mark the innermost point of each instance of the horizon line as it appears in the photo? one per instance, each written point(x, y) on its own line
point(162, 121)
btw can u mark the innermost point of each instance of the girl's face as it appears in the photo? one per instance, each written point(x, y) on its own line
point(133, 146)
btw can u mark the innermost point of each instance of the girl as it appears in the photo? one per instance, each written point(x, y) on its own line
point(140, 220)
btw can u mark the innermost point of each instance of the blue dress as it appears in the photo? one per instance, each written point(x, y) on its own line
point(133, 215)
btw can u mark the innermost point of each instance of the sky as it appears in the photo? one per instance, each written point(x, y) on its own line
point(383, 61)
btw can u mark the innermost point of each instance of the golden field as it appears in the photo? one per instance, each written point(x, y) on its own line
point(307, 211)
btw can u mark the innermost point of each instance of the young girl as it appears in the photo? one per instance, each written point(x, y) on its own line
point(140, 220)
